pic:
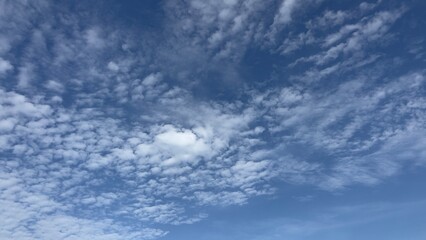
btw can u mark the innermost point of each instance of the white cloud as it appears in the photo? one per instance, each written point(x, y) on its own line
point(55, 86)
point(136, 143)
point(5, 66)
point(93, 38)
point(223, 198)
point(6, 125)
point(25, 76)
point(183, 158)
point(330, 19)
point(152, 79)
point(353, 38)
point(113, 66)
point(285, 11)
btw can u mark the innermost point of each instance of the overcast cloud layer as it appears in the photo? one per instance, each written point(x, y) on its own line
point(134, 119)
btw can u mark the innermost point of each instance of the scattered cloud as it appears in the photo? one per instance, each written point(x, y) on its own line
point(110, 132)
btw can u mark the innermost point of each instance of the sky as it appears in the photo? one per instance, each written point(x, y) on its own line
point(212, 119)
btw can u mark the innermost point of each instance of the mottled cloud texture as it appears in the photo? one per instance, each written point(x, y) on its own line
point(111, 129)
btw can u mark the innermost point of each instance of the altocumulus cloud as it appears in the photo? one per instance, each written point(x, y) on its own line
point(112, 129)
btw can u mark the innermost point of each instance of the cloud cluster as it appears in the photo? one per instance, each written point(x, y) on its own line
point(84, 159)
point(104, 134)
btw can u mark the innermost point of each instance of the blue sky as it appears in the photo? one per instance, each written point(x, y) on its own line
point(224, 119)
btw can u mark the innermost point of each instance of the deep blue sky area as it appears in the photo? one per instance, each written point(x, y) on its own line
point(222, 119)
